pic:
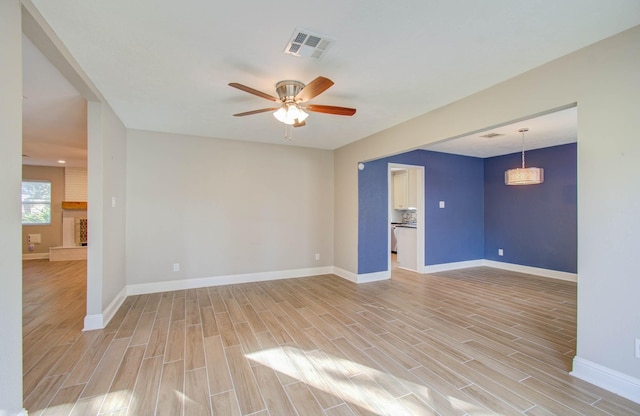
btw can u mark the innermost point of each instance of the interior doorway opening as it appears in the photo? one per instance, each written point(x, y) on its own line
point(405, 217)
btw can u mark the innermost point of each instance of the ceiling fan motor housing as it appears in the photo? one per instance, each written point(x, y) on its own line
point(287, 90)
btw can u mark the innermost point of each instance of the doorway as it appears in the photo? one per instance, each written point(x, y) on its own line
point(405, 217)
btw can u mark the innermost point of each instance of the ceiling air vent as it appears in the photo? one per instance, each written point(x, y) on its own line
point(491, 135)
point(308, 44)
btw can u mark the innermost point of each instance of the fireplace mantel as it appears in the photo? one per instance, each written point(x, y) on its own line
point(74, 205)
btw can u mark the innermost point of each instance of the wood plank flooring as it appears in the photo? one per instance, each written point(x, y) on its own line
point(471, 342)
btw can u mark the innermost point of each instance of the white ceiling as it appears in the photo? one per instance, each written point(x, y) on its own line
point(54, 114)
point(165, 65)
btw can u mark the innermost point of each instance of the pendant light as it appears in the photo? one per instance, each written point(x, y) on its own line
point(523, 175)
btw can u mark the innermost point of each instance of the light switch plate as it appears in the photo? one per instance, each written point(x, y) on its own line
point(441, 204)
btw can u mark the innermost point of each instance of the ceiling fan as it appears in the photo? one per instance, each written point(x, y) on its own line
point(292, 95)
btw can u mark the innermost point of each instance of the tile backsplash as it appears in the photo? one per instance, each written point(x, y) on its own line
point(409, 216)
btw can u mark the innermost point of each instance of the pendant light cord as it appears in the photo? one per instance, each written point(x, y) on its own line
point(523, 130)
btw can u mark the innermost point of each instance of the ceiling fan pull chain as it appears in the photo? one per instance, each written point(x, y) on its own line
point(288, 132)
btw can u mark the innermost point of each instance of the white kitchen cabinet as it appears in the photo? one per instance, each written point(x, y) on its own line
point(412, 188)
point(400, 190)
point(407, 248)
point(405, 189)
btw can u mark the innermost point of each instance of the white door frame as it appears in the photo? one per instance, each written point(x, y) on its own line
point(420, 213)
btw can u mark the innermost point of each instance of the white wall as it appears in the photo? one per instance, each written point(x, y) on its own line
point(604, 79)
point(106, 237)
point(224, 208)
point(114, 203)
point(10, 227)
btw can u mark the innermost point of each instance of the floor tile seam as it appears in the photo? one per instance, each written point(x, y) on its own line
point(53, 365)
point(283, 389)
point(233, 381)
point(98, 366)
point(499, 399)
point(26, 398)
point(556, 401)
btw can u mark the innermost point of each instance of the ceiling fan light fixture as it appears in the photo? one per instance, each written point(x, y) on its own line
point(292, 112)
point(302, 116)
point(289, 113)
point(281, 115)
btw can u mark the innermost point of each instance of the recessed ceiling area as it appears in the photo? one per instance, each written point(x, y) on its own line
point(165, 67)
point(553, 129)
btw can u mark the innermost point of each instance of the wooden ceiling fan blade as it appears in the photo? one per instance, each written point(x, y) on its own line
point(253, 91)
point(331, 109)
point(299, 123)
point(313, 89)
point(262, 110)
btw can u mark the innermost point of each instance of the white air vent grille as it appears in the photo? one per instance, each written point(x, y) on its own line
point(308, 44)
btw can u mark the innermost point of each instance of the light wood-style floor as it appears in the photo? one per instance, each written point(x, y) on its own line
point(473, 342)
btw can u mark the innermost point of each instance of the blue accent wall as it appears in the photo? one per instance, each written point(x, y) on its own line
point(452, 234)
point(373, 223)
point(535, 225)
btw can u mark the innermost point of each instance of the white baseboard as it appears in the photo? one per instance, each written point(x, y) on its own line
point(352, 277)
point(4, 412)
point(445, 267)
point(572, 277)
point(113, 307)
point(435, 268)
point(92, 322)
point(373, 277)
point(143, 288)
point(611, 380)
point(99, 321)
point(35, 256)
point(362, 278)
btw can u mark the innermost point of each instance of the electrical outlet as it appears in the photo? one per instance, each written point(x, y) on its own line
point(317, 256)
point(176, 267)
point(637, 347)
point(500, 252)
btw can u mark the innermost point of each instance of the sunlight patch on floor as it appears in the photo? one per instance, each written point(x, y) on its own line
point(355, 383)
point(90, 405)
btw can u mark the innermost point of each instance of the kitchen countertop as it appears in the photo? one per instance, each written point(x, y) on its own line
point(405, 224)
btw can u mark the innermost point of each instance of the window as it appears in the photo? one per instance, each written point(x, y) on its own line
point(36, 202)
